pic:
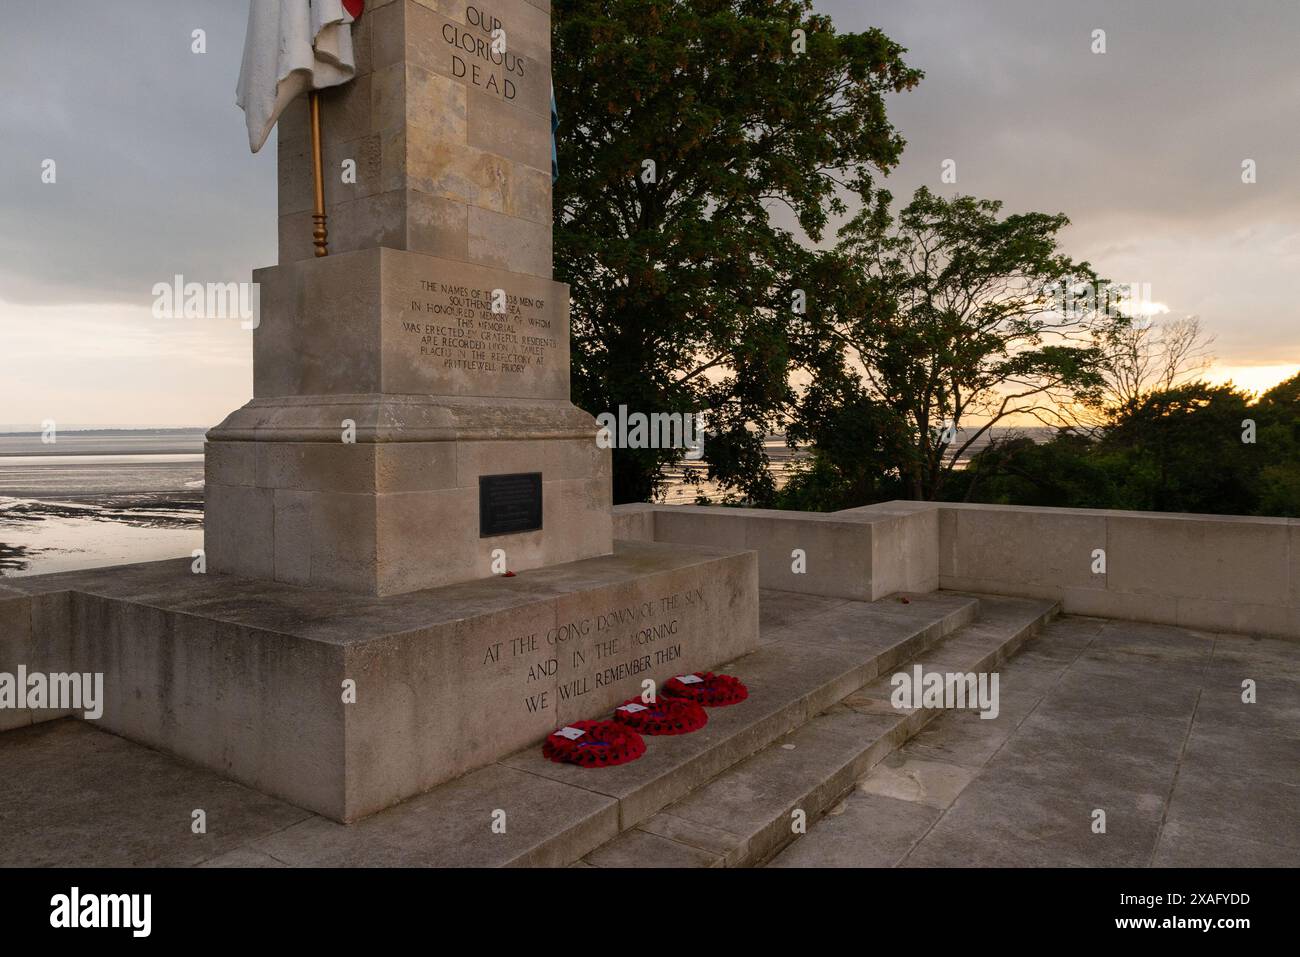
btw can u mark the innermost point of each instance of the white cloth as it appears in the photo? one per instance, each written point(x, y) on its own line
point(292, 46)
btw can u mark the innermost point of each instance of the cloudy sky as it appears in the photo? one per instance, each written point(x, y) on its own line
point(1141, 146)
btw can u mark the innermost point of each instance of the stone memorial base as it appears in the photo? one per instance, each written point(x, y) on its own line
point(345, 704)
point(387, 390)
point(400, 511)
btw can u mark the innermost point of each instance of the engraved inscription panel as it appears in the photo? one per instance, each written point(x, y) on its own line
point(457, 329)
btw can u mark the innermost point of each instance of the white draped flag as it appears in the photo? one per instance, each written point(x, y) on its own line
point(292, 46)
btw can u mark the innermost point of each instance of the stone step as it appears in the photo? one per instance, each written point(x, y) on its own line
point(796, 674)
point(815, 652)
point(744, 815)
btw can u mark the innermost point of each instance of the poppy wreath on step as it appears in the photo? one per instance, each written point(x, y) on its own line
point(708, 689)
point(665, 716)
point(593, 744)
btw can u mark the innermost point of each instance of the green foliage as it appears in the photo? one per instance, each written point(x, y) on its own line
point(916, 321)
point(857, 447)
point(1019, 471)
point(681, 287)
point(947, 321)
point(1278, 411)
point(1176, 450)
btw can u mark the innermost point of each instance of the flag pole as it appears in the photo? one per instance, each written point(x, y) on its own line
point(320, 232)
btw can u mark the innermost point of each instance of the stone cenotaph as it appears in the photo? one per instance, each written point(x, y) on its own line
point(351, 640)
point(411, 417)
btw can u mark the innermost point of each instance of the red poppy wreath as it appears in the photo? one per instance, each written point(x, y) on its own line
point(706, 688)
point(663, 716)
point(593, 744)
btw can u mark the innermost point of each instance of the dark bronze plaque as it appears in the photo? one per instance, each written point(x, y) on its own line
point(509, 503)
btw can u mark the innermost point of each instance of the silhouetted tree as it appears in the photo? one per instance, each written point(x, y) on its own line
point(682, 280)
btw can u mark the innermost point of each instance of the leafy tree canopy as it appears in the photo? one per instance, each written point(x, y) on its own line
point(949, 321)
point(682, 276)
point(1191, 448)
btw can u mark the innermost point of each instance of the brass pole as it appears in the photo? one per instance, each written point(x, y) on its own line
point(320, 233)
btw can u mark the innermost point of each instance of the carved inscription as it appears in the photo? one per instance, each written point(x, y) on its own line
point(455, 327)
point(578, 657)
point(481, 54)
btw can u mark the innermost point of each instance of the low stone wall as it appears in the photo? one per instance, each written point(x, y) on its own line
point(862, 554)
point(35, 631)
point(1212, 572)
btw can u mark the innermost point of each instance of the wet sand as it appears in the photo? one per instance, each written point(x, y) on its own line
point(94, 499)
point(38, 537)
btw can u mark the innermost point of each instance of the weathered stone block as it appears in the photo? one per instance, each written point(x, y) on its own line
point(405, 121)
point(388, 321)
point(249, 677)
point(1029, 547)
point(506, 242)
point(634, 522)
point(1237, 559)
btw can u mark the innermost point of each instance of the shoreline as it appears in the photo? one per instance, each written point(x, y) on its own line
point(67, 532)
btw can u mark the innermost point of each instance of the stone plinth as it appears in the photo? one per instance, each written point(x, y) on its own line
point(248, 677)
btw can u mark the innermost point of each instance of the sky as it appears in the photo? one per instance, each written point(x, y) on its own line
point(1142, 147)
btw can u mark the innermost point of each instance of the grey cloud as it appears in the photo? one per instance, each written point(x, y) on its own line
point(1141, 147)
point(154, 174)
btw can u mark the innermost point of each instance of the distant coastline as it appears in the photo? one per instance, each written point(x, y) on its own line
point(92, 442)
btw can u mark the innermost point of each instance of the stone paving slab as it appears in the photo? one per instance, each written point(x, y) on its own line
point(998, 823)
point(72, 796)
point(640, 848)
point(1182, 846)
point(1088, 775)
point(1276, 711)
point(1155, 642)
point(1247, 808)
point(907, 777)
point(725, 848)
point(866, 830)
point(887, 627)
point(782, 609)
point(1143, 721)
point(964, 738)
point(1231, 752)
point(747, 813)
point(1054, 733)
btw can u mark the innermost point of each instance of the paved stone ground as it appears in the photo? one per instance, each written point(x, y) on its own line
point(1145, 722)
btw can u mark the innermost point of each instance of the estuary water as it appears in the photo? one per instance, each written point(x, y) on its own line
point(99, 498)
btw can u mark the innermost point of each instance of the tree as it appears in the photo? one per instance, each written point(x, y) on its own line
point(684, 126)
point(952, 323)
point(1196, 447)
point(855, 447)
point(1183, 451)
point(1145, 355)
point(1277, 412)
point(1068, 471)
